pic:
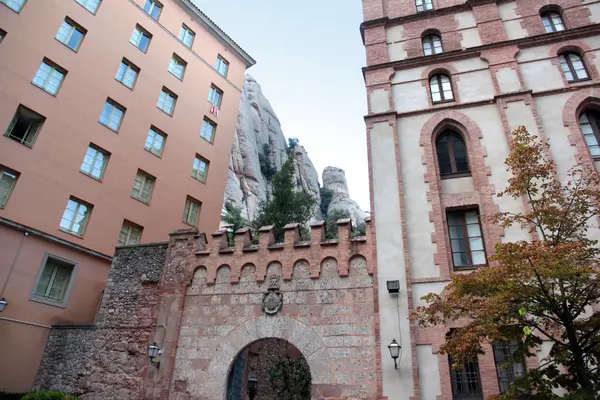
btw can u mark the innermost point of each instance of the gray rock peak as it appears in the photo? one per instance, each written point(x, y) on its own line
point(334, 179)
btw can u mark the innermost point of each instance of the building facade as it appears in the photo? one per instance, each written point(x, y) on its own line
point(447, 81)
point(117, 121)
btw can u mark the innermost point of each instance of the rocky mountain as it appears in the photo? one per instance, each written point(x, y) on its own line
point(260, 149)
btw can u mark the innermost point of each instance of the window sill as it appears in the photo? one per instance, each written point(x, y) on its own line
point(70, 233)
point(130, 88)
point(575, 81)
point(154, 154)
point(192, 225)
point(135, 45)
point(457, 175)
point(68, 47)
point(48, 302)
point(181, 79)
point(108, 127)
point(44, 90)
point(435, 103)
point(8, 136)
point(209, 141)
point(213, 104)
point(170, 115)
point(140, 200)
point(469, 267)
point(201, 181)
point(91, 176)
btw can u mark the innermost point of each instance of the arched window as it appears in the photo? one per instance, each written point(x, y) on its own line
point(573, 67)
point(552, 21)
point(589, 122)
point(441, 89)
point(432, 44)
point(424, 5)
point(451, 153)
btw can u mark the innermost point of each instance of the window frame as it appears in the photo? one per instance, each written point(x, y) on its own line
point(426, 5)
point(215, 89)
point(170, 93)
point(467, 246)
point(186, 210)
point(147, 177)
point(13, 122)
point(548, 16)
point(186, 31)
point(512, 375)
point(567, 57)
point(211, 123)
point(86, 7)
point(88, 214)
point(430, 39)
point(115, 105)
point(153, 4)
point(143, 31)
point(464, 382)
point(130, 226)
point(16, 174)
point(454, 173)
point(53, 67)
point(99, 150)
point(222, 61)
point(74, 27)
point(178, 62)
point(438, 78)
point(5, 2)
point(207, 165)
point(157, 132)
point(65, 297)
point(595, 129)
point(130, 66)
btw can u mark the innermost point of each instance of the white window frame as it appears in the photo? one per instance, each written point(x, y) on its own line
point(72, 27)
point(5, 193)
point(136, 37)
point(86, 217)
point(44, 79)
point(186, 35)
point(177, 66)
point(73, 265)
point(15, 5)
point(129, 227)
point(127, 73)
point(212, 93)
point(187, 211)
point(424, 5)
point(146, 180)
point(151, 5)
point(95, 159)
point(222, 66)
point(151, 140)
point(115, 106)
point(90, 5)
point(166, 101)
point(204, 129)
point(197, 171)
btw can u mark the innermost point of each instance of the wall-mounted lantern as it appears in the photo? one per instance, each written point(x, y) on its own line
point(395, 349)
point(3, 304)
point(153, 352)
point(252, 388)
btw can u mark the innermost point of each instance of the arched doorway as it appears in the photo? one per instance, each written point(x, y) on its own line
point(275, 367)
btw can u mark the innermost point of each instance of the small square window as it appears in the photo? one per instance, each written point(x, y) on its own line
point(222, 66)
point(208, 129)
point(2, 35)
point(15, 5)
point(130, 234)
point(112, 115)
point(153, 8)
point(90, 5)
point(191, 211)
point(186, 35)
point(94, 162)
point(155, 141)
point(70, 34)
point(177, 66)
point(143, 186)
point(49, 77)
point(140, 38)
point(166, 101)
point(127, 73)
point(25, 126)
point(8, 180)
point(200, 168)
point(52, 284)
point(76, 216)
point(215, 96)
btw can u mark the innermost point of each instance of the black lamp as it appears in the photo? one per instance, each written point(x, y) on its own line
point(153, 352)
point(252, 384)
point(3, 304)
point(393, 286)
point(395, 349)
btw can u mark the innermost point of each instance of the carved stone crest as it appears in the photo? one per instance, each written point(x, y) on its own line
point(273, 299)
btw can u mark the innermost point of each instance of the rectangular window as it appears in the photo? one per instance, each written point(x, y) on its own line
point(49, 77)
point(177, 66)
point(222, 66)
point(166, 101)
point(191, 211)
point(155, 141)
point(130, 234)
point(153, 8)
point(186, 35)
point(90, 5)
point(466, 239)
point(53, 282)
point(94, 162)
point(127, 73)
point(506, 367)
point(142, 186)
point(8, 180)
point(466, 383)
point(208, 130)
point(25, 126)
point(70, 34)
point(15, 5)
point(215, 96)
point(140, 38)
point(112, 115)
point(76, 216)
point(200, 168)
point(424, 5)
point(2, 35)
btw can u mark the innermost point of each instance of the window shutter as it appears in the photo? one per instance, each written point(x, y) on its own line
point(44, 282)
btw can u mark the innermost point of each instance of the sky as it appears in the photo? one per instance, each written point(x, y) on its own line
point(309, 56)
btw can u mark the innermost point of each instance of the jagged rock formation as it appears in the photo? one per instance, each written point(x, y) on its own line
point(334, 179)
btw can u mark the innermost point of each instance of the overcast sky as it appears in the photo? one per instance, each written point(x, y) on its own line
point(309, 57)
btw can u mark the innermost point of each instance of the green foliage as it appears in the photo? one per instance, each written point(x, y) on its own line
point(331, 222)
point(266, 166)
point(285, 205)
point(290, 379)
point(11, 396)
point(326, 195)
point(360, 230)
point(233, 216)
point(48, 395)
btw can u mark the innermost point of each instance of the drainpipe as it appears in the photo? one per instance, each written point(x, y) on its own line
point(12, 267)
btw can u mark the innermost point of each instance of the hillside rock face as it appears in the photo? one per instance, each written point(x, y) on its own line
point(334, 179)
point(259, 150)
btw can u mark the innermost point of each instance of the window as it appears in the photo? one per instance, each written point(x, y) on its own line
point(573, 67)
point(466, 384)
point(15, 5)
point(94, 162)
point(49, 77)
point(589, 122)
point(142, 186)
point(552, 22)
point(208, 129)
point(186, 35)
point(127, 73)
point(8, 179)
point(177, 66)
point(441, 89)
point(504, 353)
point(155, 141)
point(215, 96)
point(432, 44)
point(2, 35)
point(466, 240)
point(25, 126)
point(112, 115)
point(153, 8)
point(200, 168)
point(451, 153)
point(140, 38)
point(53, 281)
point(222, 66)
point(130, 234)
point(424, 5)
point(76, 216)
point(90, 5)
point(70, 34)
point(191, 211)
point(166, 101)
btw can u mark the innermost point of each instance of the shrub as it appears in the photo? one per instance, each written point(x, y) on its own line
point(48, 395)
